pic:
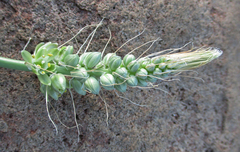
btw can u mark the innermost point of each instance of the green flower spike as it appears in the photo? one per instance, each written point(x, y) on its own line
point(107, 81)
point(59, 82)
point(92, 85)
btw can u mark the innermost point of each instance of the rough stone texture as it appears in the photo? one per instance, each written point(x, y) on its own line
point(192, 116)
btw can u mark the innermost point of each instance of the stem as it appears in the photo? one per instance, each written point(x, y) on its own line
point(13, 64)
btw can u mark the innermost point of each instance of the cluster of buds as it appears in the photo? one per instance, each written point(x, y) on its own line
point(90, 71)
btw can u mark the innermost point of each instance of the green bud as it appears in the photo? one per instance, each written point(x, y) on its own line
point(26, 56)
point(71, 59)
point(142, 74)
point(151, 79)
point(133, 66)
point(127, 59)
point(59, 82)
point(162, 66)
point(99, 69)
point(80, 74)
point(44, 79)
point(92, 59)
point(157, 59)
point(132, 81)
point(121, 73)
point(150, 67)
point(145, 62)
point(142, 83)
point(120, 85)
point(114, 62)
point(107, 57)
point(157, 72)
point(92, 85)
point(64, 52)
point(78, 86)
point(53, 93)
point(82, 58)
point(107, 81)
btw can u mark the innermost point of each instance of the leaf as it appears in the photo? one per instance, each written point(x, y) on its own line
point(44, 79)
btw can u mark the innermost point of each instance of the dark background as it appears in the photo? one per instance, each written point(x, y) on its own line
point(192, 115)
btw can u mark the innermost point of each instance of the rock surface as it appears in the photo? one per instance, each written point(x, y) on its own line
point(189, 115)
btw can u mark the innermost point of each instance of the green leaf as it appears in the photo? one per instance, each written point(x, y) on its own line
point(44, 79)
point(38, 46)
point(26, 56)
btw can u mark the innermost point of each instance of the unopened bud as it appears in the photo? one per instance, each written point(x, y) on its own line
point(92, 85)
point(127, 59)
point(92, 59)
point(107, 81)
point(142, 74)
point(59, 82)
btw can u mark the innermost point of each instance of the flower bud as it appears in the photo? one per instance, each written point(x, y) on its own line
point(66, 51)
point(132, 81)
point(151, 79)
point(157, 72)
point(82, 58)
point(133, 66)
point(145, 62)
point(142, 83)
point(162, 66)
point(120, 85)
point(92, 59)
point(92, 85)
point(121, 73)
point(157, 59)
point(114, 62)
point(107, 57)
point(78, 86)
point(59, 82)
point(150, 67)
point(127, 59)
point(80, 74)
point(107, 81)
point(142, 74)
point(71, 59)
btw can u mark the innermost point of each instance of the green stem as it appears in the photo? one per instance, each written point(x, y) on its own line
point(13, 64)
